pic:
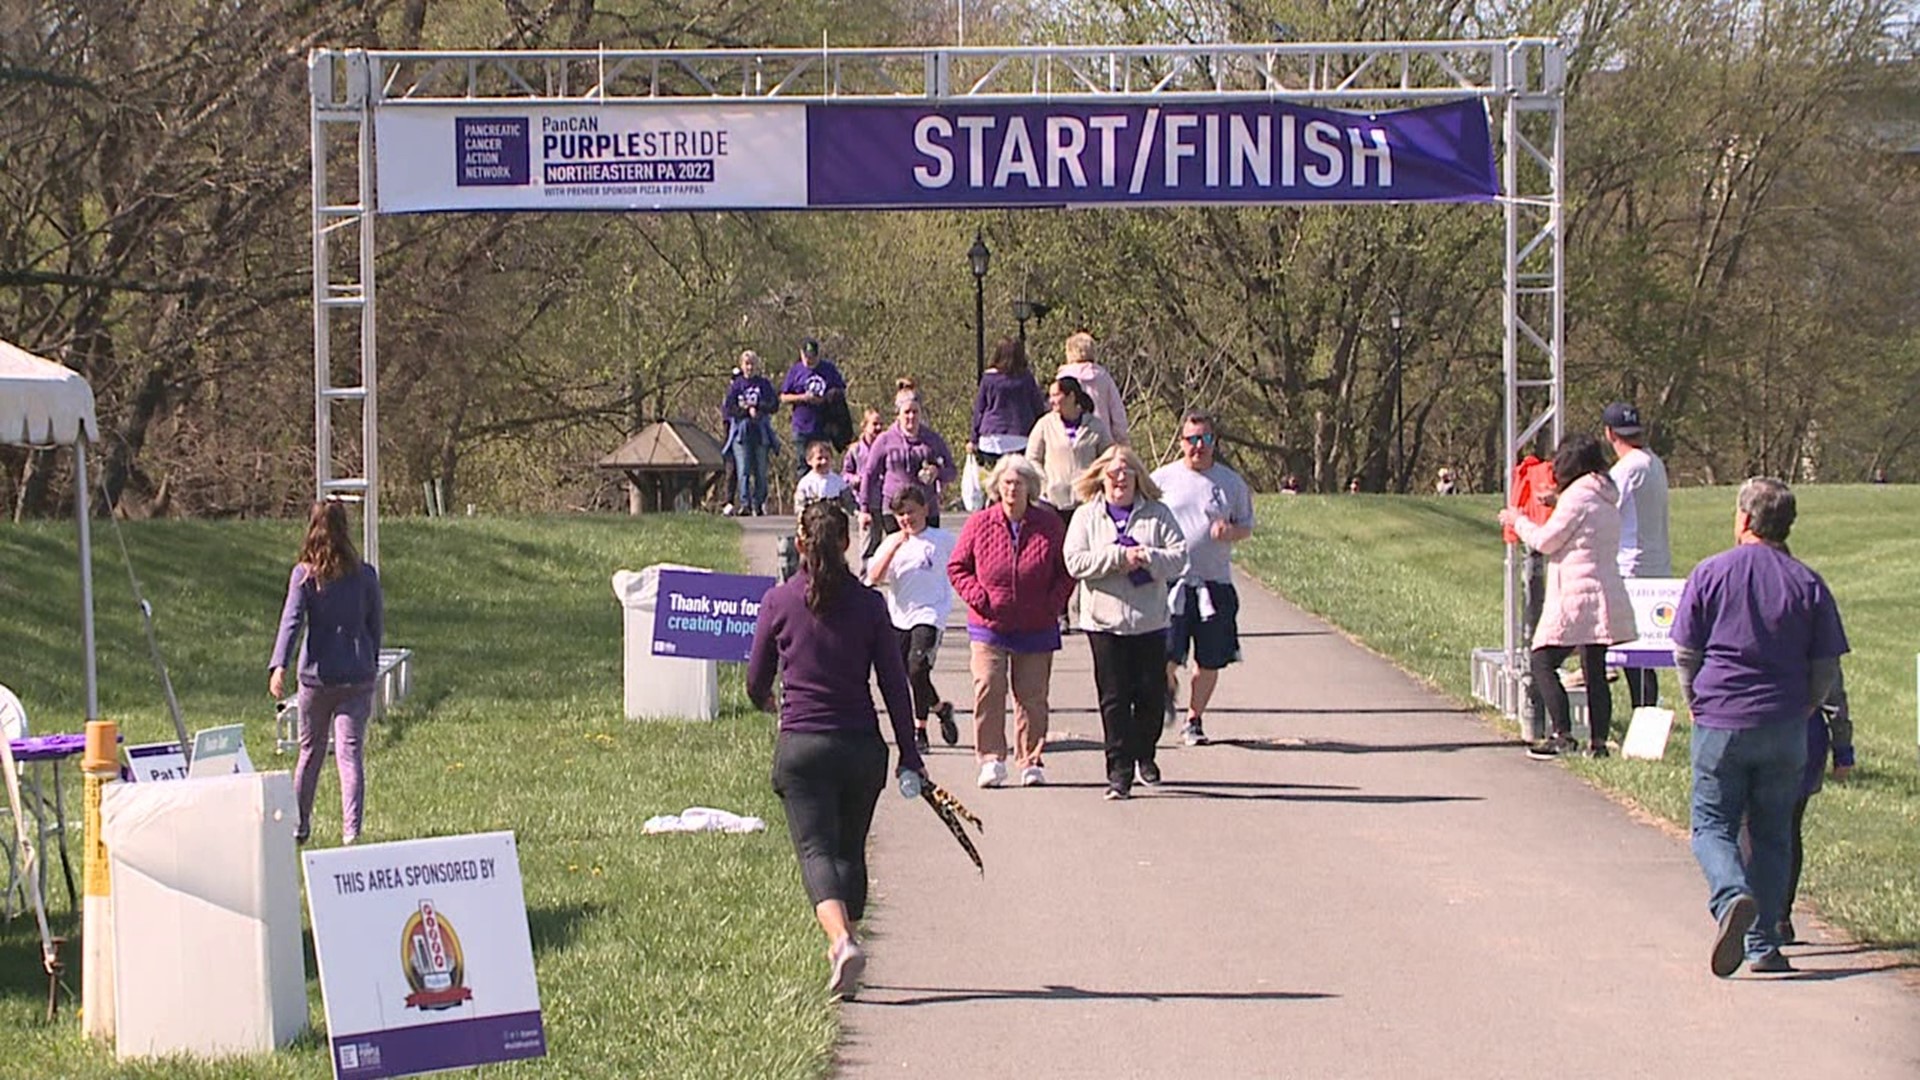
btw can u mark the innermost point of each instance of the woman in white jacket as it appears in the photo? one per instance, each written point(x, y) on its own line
point(1126, 549)
point(1586, 607)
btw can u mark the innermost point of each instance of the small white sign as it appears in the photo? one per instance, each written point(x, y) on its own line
point(1647, 734)
point(1656, 601)
point(220, 751)
point(426, 962)
point(156, 761)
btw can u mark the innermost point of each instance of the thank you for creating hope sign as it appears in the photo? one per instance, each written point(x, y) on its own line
point(700, 616)
point(425, 958)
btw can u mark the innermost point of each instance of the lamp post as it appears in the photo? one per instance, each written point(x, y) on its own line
point(1399, 404)
point(977, 259)
point(1029, 309)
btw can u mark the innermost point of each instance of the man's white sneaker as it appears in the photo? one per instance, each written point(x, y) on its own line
point(993, 774)
point(1033, 776)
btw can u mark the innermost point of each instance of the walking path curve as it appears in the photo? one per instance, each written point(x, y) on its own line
point(1359, 878)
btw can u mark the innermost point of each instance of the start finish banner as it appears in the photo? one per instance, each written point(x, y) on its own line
point(877, 156)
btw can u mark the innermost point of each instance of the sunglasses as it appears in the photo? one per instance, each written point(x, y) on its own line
point(1205, 439)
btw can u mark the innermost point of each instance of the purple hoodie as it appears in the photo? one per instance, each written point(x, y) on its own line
point(1006, 404)
point(893, 465)
point(345, 620)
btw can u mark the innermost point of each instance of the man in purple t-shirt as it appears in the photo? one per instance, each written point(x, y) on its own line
point(811, 383)
point(1758, 643)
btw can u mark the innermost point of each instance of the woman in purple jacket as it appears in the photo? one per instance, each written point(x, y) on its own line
point(822, 632)
point(1006, 405)
point(907, 455)
point(338, 598)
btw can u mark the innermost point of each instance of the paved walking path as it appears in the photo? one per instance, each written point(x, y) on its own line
point(1360, 878)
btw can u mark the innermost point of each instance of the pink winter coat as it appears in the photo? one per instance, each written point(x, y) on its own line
point(1586, 602)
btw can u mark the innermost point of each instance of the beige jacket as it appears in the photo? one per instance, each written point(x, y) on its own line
point(1061, 460)
point(1586, 601)
point(1109, 602)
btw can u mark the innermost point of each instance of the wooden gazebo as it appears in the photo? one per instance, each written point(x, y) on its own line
point(671, 464)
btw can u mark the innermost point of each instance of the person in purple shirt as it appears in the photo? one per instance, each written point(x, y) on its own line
point(337, 598)
point(854, 465)
point(1757, 641)
point(811, 384)
point(823, 632)
point(749, 407)
point(907, 455)
point(1006, 405)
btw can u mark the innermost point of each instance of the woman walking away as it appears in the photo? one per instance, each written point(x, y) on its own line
point(1098, 382)
point(1586, 607)
point(823, 632)
point(1126, 549)
point(337, 598)
point(907, 455)
point(1064, 442)
point(1006, 405)
point(912, 564)
point(1008, 569)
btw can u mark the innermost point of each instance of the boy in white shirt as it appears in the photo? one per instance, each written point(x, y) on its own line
point(912, 564)
point(822, 481)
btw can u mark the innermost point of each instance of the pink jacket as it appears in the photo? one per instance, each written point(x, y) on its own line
point(1006, 589)
point(1586, 602)
point(1099, 384)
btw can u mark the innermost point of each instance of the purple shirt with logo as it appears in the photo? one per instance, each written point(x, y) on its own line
point(819, 379)
point(1758, 617)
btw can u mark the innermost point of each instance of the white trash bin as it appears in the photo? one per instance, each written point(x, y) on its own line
point(661, 686)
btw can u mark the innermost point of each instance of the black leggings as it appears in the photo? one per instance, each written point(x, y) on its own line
point(1130, 676)
point(1546, 662)
point(830, 783)
point(1798, 858)
point(918, 644)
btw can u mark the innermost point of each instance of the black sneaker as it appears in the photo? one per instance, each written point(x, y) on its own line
point(1729, 945)
point(949, 731)
point(1193, 734)
point(1118, 793)
point(1771, 962)
point(1550, 747)
point(1595, 752)
point(1150, 773)
point(920, 739)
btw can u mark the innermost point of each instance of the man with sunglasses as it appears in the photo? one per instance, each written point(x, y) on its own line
point(1215, 510)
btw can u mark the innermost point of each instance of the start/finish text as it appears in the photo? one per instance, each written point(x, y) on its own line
point(1172, 148)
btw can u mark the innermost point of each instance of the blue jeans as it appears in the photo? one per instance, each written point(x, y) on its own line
point(1751, 774)
point(750, 461)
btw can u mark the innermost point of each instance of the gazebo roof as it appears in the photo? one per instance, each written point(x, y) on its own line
point(667, 445)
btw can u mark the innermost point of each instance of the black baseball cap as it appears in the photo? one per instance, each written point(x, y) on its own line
point(810, 346)
point(1623, 418)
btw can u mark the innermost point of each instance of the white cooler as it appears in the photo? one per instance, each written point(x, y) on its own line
point(660, 686)
point(206, 915)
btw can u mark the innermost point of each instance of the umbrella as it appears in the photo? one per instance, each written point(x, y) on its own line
point(948, 809)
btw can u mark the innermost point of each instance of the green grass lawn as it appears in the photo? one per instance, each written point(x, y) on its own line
point(675, 956)
point(1418, 579)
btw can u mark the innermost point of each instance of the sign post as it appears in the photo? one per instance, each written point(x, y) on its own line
point(425, 958)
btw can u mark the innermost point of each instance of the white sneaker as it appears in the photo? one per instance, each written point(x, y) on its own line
point(1033, 776)
point(993, 774)
point(727, 510)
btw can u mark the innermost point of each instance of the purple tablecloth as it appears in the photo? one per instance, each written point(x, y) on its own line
point(47, 747)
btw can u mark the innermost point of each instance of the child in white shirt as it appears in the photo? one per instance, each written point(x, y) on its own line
point(823, 482)
point(912, 563)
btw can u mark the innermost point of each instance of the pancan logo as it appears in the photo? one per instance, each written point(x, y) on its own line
point(430, 955)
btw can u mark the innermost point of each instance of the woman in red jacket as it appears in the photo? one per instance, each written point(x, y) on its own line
point(1009, 570)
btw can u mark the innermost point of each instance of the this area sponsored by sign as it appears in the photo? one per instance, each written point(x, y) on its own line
point(220, 751)
point(425, 958)
point(1655, 603)
point(700, 616)
point(592, 157)
point(157, 761)
point(1080, 154)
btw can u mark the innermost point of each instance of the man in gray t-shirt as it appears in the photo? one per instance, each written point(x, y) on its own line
point(1215, 510)
point(1642, 482)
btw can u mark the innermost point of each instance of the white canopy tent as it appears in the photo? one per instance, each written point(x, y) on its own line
point(45, 404)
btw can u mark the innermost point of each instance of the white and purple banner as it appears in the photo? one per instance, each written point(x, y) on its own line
point(702, 616)
point(425, 958)
point(1655, 603)
point(771, 156)
point(1100, 155)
